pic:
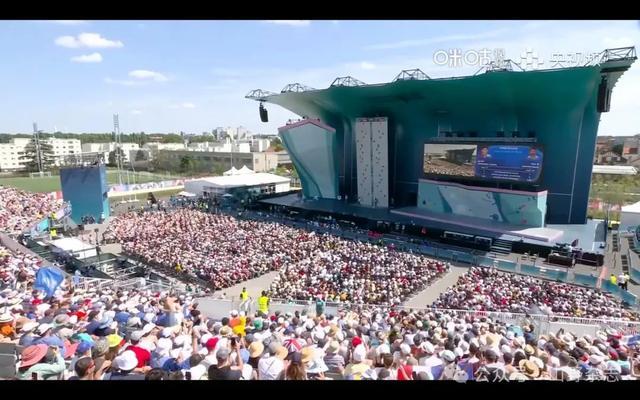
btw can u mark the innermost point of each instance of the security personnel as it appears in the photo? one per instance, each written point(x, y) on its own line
point(244, 297)
point(626, 281)
point(263, 303)
point(613, 279)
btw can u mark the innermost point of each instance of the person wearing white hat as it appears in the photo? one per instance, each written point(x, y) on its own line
point(125, 364)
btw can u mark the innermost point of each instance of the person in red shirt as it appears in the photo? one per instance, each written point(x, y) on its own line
point(143, 356)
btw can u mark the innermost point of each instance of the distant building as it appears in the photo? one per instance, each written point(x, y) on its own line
point(631, 146)
point(258, 162)
point(11, 153)
point(608, 157)
point(106, 148)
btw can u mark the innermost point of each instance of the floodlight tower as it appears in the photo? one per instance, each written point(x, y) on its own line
point(118, 150)
point(36, 139)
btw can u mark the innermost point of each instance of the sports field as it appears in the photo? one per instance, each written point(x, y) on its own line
point(52, 183)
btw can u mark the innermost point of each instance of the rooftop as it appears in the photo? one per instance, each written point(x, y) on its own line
point(231, 181)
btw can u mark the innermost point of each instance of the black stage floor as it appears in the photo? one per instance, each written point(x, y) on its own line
point(590, 236)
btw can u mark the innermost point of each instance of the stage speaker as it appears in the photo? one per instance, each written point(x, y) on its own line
point(473, 134)
point(531, 135)
point(264, 116)
point(500, 134)
point(447, 134)
point(603, 95)
point(515, 134)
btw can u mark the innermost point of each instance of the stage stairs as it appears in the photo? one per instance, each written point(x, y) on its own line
point(500, 246)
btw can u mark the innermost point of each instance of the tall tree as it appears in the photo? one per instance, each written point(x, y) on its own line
point(113, 156)
point(34, 157)
point(141, 155)
point(187, 164)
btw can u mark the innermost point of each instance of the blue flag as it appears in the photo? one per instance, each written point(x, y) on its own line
point(48, 279)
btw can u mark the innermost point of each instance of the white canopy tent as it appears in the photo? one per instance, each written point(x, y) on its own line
point(630, 216)
point(242, 171)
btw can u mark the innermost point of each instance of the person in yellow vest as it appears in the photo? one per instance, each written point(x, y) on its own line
point(244, 297)
point(178, 267)
point(626, 281)
point(53, 233)
point(263, 303)
point(613, 279)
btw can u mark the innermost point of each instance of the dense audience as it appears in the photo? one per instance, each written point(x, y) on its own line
point(225, 251)
point(20, 210)
point(142, 335)
point(486, 289)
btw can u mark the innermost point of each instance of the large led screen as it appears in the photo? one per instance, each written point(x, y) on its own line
point(491, 162)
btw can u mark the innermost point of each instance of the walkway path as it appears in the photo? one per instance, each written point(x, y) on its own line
point(254, 287)
point(430, 294)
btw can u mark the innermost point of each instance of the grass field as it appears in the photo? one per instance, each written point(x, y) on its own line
point(52, 183)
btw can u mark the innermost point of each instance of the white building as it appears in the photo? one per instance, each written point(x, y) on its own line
point(260, 145)
point(106, 148)
point(155, 147)
point(11, 152)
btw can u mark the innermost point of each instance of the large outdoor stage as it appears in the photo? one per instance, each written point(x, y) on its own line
point(590, 236)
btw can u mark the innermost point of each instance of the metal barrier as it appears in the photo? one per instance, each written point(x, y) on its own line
point(219, 308)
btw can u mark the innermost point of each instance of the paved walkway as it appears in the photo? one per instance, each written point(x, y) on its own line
point(254, 287)
point(430, 294)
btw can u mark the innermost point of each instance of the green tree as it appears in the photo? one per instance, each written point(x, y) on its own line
point(617, 149)
point(33, 158)
point(218, 170)
point(187, 164)
point(113, 156)
point(141, 155)
point(276, 144)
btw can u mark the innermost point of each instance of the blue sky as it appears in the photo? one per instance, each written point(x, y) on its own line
point(164, 76)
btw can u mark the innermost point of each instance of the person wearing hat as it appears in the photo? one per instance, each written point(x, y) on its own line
point(40, 361)
point(450, 366)
point(529, 369)
point(143, 355)
point(272, 364)
point(27, 337)
point(333, 360)
point(124, 366)
point(255, 353)
point(295, 370)
point(358, 365)
point(7, 331)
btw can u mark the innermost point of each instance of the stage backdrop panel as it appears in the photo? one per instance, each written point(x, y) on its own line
point(86, 189)
point(510, 207)
point(312, 146)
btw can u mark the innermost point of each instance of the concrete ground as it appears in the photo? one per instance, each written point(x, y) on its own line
point(430, 294)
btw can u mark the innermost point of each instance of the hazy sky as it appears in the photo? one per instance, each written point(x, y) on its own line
point(163, 76)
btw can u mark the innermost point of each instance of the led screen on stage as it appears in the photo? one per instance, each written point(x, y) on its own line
point(491, 162)
point(509, 163)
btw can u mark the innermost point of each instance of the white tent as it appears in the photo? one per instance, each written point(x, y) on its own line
point(244, 170)
point(232, 171)
point(186, 194)
point(630, 216)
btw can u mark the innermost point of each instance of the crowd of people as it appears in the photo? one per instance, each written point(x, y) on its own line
point(224, 250)
point(105, 334)
point(486, 289)
point(20, 210)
